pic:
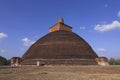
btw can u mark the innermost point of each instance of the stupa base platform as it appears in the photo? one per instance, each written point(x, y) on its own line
point(59, 62)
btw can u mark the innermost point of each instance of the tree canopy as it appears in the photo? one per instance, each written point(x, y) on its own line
point(3, 61)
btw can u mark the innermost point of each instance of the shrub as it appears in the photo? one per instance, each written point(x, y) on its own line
point(113, 61)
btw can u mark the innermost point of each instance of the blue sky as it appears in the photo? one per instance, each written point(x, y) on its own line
point(22, 22)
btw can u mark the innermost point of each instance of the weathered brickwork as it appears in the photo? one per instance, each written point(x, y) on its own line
point(60, 26)
point(39, 62)
point(60, 46)
point(15, 61)
point(102, 61)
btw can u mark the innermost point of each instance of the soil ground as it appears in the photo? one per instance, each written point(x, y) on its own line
point(60, 73)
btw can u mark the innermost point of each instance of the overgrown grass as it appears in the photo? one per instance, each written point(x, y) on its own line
point(5, 72)
point(111, 72)
point(43, 73)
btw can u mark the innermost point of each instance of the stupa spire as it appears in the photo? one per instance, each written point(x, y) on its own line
point(60, 20)
point(60, 26)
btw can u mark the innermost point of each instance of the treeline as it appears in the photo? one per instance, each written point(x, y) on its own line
point(4, 61)
point(113, 61)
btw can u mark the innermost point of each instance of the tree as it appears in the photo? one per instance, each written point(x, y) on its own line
point(3, 61)
point(113, 61)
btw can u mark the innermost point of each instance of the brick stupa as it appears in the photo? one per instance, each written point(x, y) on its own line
point(60, 46)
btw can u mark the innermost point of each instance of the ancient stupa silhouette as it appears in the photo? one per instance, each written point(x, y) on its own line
point(60, 46)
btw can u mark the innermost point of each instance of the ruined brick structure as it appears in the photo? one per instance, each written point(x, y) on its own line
point(102, 61)
point(60, 46)
point(15, 61)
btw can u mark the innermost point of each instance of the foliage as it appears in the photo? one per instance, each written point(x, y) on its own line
point(4, 61)
point(113, 61)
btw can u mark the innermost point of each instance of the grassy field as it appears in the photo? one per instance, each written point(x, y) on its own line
point(61, 73)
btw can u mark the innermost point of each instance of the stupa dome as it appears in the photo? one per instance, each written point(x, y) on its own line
point(60, 43)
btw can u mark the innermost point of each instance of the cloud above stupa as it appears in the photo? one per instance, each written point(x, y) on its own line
point(107, 27)
point(3, 35)
point(27, 42)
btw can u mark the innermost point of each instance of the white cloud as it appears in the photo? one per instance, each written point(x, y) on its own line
point(101, 50)
point(82, 28)
point(119, 14)
point(107, 27)
point(27, 42)
point(3, 35)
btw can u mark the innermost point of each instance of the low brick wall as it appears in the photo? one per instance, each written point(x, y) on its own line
point(60, 62)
